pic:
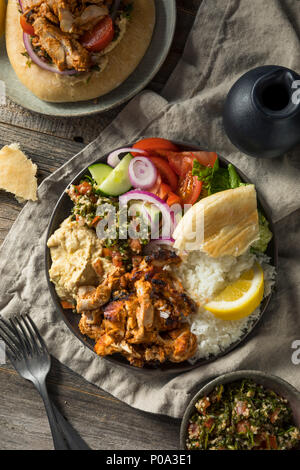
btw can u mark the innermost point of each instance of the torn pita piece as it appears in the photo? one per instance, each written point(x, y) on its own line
point(225, 223)
point(17, 173)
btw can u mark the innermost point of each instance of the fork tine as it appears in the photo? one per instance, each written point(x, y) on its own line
point(9, 341)
point(23, 342)
point(34, 327)
point(6, 328)
point(31, 332)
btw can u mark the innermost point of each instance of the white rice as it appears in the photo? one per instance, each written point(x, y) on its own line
point(203, 277)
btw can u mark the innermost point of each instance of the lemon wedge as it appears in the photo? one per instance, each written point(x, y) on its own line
point(2, 16)
point(241, 298)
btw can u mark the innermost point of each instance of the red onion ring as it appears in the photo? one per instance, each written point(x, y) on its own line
point(167, 214)
point(113, 158)
point(40, 62)
point(142, 173)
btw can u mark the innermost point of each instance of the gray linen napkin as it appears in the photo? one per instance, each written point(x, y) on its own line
point(228, 38)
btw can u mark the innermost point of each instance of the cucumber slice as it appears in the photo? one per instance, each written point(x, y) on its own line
point(100, 172)
point(118, 181)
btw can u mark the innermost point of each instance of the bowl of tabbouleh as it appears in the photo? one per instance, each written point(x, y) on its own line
point(244, 410)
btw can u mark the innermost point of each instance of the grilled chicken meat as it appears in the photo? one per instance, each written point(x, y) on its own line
point(90, 298)
point(65, 52)
point(143, 313)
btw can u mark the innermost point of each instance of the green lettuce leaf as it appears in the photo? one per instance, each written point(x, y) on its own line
point(217, 179)
point(265, 235)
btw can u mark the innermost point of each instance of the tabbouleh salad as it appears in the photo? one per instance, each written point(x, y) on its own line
point(242, 416)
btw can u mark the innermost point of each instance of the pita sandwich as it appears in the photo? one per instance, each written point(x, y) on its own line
point(58, 42)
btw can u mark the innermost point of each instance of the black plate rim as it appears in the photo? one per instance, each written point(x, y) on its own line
point(166, 368)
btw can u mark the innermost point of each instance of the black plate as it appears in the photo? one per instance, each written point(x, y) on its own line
point(63, 209)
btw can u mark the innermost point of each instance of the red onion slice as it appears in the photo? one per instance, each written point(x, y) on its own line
point(142, 173)
point(40, 62)
point(168, 219)
point(155, 244)
point(113, 158)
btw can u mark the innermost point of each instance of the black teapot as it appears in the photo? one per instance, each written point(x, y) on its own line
point(262, 111)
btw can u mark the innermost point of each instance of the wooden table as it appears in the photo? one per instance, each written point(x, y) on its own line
point(103, 421)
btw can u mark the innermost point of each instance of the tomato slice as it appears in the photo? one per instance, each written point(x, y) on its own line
point(173, 199)
point(205, 158)
point(182, 162)
point(166, 172)
point(100, 37)
point(189, 188)
point(27, 27)
point(156, 187)
point(155, 143)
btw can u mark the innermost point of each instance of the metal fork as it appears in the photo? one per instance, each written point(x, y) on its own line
point(29, 355)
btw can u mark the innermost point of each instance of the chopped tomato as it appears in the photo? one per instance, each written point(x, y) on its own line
point(203, 404)
point(66, 305)
point(189, 188)
point(274, 415)
point(241, 408)
point(100, 37)
point(273, 442)
point(107, 252)
point(95, 220)
point(208, 423)
point(166, 172)
point(155, 143)
point(84, 188)
point(27, 27)
point(173, 199)
point(243, 426)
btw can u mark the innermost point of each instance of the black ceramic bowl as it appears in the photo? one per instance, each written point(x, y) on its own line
point(63, 210)
point(271, 382)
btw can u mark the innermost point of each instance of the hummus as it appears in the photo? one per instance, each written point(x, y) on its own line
point(74, 250)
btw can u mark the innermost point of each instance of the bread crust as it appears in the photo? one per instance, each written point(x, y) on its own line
point(56, 88)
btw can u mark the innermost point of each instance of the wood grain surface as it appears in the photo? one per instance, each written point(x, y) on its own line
point(103, 421)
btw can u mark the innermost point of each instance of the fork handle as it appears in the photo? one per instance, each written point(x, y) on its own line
point(72, 437)
point(57, 434)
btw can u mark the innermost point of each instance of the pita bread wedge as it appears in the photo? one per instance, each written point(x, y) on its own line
point(115, 66)
point(225, 223)
point(17, 173)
